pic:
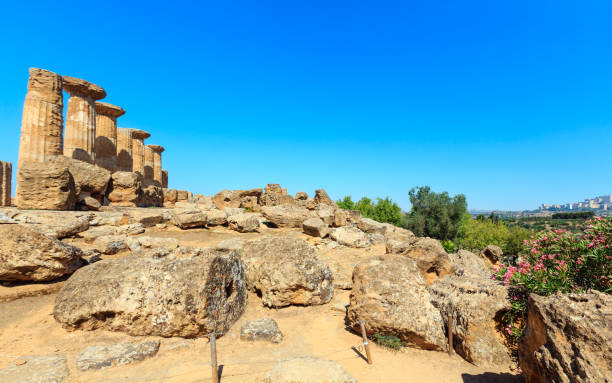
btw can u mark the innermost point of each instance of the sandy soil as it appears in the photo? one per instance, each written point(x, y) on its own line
point(27, 327)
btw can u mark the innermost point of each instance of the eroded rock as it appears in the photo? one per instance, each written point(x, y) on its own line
point(308, 370)
point(287, 215)
point(103, 356)
point(264, 329)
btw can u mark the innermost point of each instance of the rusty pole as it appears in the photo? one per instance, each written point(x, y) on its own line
point(450, 334)
point(213, 358)
point(366, 344)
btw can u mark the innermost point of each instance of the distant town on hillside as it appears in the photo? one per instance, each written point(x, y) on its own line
point(601, 206)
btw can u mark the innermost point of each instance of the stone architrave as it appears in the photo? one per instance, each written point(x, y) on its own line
point(148, 164)
point(81, 118)
point(165, 179)
point(106, 135)
point(138, 151)
point(157, 164)
point(124, 150)
point(42, 121)
point(6, 172)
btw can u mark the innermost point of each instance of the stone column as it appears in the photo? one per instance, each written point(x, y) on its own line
point(106, 135)
point(124, 150)
point(148, 164)
point(165, 179)
point(6, 173)
point(138, 151)
point(157, 164)
point(80, 135)
point(42, 121)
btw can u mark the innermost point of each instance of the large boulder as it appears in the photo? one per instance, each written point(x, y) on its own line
point(470, 264)
point(216, 217)
point(235, 198)
point(28, 255)
point(492, 253)
point(567, 338)
point(55, 224)
point(326, 213)
point(190, 218)
point(430, 256)
point(322, 198)
point(315, 227)
point(390, 295)
point(153, 196)
point(275, 195)
point(244, 222)
point(350, 236)
point(89, 180)
point(188, 293)
point(45, 186)
point(125, 189)
point(307, 370)
point(286, 271)
point(476, 305)
point(346, 217)
point(287, 215)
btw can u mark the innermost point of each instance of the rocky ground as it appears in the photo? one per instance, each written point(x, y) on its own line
point(132, 294)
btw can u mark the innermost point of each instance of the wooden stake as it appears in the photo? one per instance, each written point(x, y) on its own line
point(366, 344)
point(450, 334)
point(213, 358)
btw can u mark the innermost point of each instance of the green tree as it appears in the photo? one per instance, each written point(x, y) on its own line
point(435, 215)
point(384, 210)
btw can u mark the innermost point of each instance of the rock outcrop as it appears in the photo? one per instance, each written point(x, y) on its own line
point(476, 305)
point(235, 198)
point(430, 256)
point(27, 255)
point(308, 370)
point(37, 369)
point(132, 294)
point(390, 295)
point(103, 356)
point(469, 264)
point(286, 271)
point(287, 215)
point(567, 338)
point(492, 253)
point(321, 197)
point(45, 186)
point(243, 223)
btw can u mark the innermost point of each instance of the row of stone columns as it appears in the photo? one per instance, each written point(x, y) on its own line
point(6, 172)
point(91, 132)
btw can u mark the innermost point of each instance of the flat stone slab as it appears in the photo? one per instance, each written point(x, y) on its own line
point(103, 356)
point(36, 369)
point(261, 329)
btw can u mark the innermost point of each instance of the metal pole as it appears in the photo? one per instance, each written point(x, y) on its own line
point(213, 358)
point(450, 334)
point(366, 344)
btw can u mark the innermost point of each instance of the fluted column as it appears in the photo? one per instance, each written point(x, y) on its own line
point(42, 121)
point(157, 164)
point(148, 164)
point(6, 173)
point(165, 179)
point(124, 150)
point(106, 135)
point(138, 151)
point(80, 135)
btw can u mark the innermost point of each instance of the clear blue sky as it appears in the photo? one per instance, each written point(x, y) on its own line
point(509, 103)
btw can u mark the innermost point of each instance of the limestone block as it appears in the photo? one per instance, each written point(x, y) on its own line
point(45, 186)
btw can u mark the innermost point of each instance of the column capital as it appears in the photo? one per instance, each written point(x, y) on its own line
point(140, 134)
point(156, 148)
point(106, 109)
point(79, 87)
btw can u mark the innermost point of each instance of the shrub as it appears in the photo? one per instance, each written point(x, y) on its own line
point(384, 210)
point(449, 246)
point(388, 341)
point(475, 234)
point(558, 261)
point(435, 215)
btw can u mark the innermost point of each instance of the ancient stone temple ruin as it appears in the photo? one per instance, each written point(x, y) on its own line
point(138, 151)
point(81, 118)
point(106, 135)
point(6, 172)
point(92, 160)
